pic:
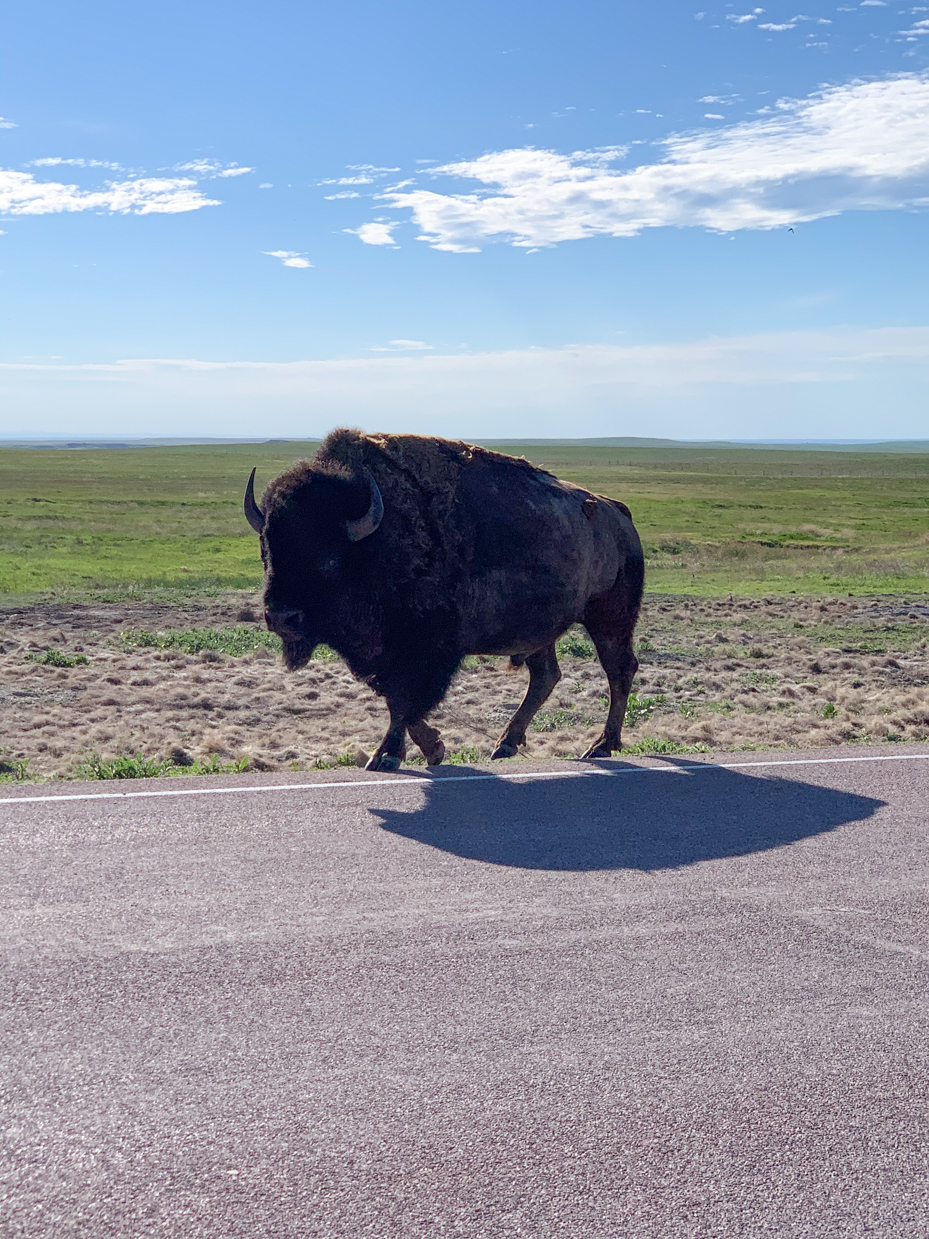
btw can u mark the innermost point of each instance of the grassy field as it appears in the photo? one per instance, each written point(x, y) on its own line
point(167, 521)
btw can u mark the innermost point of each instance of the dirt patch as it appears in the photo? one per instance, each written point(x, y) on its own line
point(720, 674)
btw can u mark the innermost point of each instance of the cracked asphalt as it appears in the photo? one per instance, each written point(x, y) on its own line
point(677, 999)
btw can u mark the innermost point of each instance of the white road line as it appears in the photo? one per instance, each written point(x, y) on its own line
point(412, 780)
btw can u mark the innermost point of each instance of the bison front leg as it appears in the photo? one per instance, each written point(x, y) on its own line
point(392, 749)
point(544, 674)
point(409, 701)
point(429, 741)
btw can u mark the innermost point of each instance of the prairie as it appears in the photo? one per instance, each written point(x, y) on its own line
point(160, 522)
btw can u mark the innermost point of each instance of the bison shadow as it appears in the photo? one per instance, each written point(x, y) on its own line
point(645, 821)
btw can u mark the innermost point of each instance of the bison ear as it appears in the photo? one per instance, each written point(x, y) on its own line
point(365, 525)
point(253, 514)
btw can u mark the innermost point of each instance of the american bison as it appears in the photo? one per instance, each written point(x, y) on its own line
point(405, 553)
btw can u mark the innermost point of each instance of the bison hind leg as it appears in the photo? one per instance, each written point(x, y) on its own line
point(611, 631)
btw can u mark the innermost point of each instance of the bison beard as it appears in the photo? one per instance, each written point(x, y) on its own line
point(404, 553)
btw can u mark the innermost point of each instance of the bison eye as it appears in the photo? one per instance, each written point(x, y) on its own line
point(329, 565)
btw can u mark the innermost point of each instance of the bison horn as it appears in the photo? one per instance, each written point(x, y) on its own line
point(365, 525)
point(253, 514)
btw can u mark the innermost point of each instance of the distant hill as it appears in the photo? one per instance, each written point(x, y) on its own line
point(792, 445)
point(767, 445)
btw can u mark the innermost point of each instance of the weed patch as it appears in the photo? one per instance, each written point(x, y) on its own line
point(236, 641)
point(658, 746)
point(574, 645)
point(138, 766)
point(554, 720)
point(638, 709)
point(57, 658)
point(14, 769)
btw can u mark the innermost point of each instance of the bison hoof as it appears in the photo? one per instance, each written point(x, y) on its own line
point(437, 756)
point(383, 761)
point(503, 750)
point(598, 750)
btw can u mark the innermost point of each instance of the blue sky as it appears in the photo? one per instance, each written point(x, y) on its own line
point(481, 220)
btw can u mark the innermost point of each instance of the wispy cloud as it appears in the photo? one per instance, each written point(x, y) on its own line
point(375, 234)
point(209, 168)
point(402, 346)
point(22, 194)
point(55, 161)
point(809, 381)
point(290, 258)
point(861, 146)
point(7, 124)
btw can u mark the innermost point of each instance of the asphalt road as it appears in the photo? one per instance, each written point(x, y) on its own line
point(661, 1000)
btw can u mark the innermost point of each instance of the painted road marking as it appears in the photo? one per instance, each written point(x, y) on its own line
point(412, 780)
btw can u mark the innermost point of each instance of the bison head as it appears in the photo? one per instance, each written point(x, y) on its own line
point(309, 524)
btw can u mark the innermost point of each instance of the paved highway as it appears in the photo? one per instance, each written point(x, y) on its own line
point(660, 1000)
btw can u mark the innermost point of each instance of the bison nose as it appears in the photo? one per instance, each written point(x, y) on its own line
point(285, 621)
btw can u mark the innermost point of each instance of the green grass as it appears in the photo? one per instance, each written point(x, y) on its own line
point(242, 639)
point(14, 769)
point(658, 746)
point(167, 522)
point(138, 766)
point(57, 658)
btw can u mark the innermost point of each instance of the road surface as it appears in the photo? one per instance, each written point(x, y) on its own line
point(653, 1000)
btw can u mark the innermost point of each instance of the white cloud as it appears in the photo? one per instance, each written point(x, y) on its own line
point(873, 4)
point(775, 26)
point(266, 185)
point(862, 146)
point(345, 193)
point(375, 233)
point(713, 116)
point(740, 19)
point(22, 194)
point(56, 160)
point(211, 168)
point(290, 258)
point(7, 124)
point(787, 384)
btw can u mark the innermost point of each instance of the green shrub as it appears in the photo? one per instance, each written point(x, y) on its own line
point(57, 658)
point(829, 710)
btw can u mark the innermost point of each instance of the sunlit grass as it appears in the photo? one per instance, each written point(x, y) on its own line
point(167, 522)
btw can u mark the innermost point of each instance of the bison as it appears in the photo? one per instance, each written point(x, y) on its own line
point(404, 553)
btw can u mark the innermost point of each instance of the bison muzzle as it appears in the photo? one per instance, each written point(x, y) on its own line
point(404, 553)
